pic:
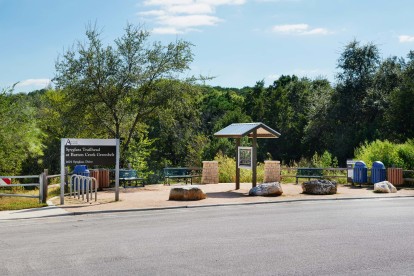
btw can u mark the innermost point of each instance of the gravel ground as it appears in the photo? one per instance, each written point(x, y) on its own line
point(156, 196)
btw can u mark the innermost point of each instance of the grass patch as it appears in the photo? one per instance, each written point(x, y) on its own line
point(18, 203)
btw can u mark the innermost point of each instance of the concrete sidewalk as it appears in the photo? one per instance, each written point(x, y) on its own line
point(154, 197)
point(48, 211)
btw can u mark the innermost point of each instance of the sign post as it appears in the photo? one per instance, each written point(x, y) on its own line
point(90, 152)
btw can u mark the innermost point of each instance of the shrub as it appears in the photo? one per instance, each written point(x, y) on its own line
point(398, 155)
point(227, 170)
point(324, 161)
point(406, 154)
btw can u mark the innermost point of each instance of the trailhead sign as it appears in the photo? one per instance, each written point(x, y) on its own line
point(89, 152)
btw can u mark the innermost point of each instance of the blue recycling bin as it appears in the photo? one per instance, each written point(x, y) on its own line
point(378, 172)
point(81, 170)
point(360, 172)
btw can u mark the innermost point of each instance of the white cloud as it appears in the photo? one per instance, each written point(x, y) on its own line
point(166, 31)
point(198, 8)
point(166, 2)
point(34, 82)
point(294, 28)
point(317, 31)
point(406, 38)
point(277, 1)
point(187, 21)
point(299, 29)
point(153, 13)
point(181, 16)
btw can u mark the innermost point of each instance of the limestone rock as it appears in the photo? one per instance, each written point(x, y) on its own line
point(190, 192)
point(267, 189)
point(319, 187)
point(384, 187)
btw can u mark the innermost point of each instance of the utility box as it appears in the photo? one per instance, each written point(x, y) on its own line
point(378, 172)
point(350, 169)
point(360, 172)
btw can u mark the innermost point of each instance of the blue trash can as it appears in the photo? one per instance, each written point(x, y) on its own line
point(81, 170)
point(360, 172)
point(377, 172)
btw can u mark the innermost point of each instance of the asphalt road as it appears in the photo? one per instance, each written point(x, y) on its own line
point(350, 237)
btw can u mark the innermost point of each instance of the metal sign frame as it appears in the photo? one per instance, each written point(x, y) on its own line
point(87, 142)
point(245, 157)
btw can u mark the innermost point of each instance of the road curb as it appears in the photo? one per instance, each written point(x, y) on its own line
point(67, 213)
point(230, 204)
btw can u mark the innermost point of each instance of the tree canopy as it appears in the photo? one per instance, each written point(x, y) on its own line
point(121, 86)
point(134, 89)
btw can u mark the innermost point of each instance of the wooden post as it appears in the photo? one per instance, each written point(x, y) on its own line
point(41, 177)
point(254, 157)
point(45, 184)
point(237, 167)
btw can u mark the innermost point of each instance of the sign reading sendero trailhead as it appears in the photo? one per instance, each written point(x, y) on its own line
point(90, 152)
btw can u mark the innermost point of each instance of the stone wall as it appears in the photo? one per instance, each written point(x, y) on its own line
point(271, 171)
point(210, 172)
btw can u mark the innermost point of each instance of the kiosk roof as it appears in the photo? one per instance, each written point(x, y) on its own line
point(246, 129)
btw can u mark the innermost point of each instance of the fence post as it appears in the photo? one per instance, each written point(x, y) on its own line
point(45, 185)
point(41, 187)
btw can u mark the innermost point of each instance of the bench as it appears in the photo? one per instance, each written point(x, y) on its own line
point(309, 173)
point(126, 176)
point(181, 173)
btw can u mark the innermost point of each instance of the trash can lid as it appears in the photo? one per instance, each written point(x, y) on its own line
point(360, 164)
point(378, 165)
point(80, 169)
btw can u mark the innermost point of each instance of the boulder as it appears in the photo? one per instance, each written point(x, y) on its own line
point(384, 187)
point(190, 192)
point(267, 189)
point(319, 187)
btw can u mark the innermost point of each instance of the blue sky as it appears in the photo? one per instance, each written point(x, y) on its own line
point(239, 42)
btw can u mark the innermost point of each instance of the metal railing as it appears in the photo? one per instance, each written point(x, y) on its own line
point(80, 186)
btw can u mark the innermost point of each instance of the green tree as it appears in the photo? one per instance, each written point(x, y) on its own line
point(58, 117)
point(286, 111)
point(376, 105)
point(358, 65)
point(176, 131)
point(401, 114)
point(317, 132)
point(255, 102)
point(118, 87)
point(221, 107)
point(20, 138)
